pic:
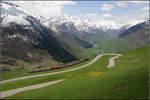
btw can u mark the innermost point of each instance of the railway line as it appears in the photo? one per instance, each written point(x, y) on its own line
point(59, 67)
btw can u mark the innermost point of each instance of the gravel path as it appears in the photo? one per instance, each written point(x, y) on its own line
point(112, 60)
point(53, 73)
point(14, 91)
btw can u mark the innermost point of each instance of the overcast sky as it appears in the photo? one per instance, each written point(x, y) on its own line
point(113, 10)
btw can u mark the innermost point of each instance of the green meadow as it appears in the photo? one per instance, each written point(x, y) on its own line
point(127, 80)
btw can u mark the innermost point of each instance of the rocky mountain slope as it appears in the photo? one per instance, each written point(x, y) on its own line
point(137, 35)
point(23, 37)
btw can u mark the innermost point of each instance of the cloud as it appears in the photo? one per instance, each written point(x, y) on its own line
point(139, 2)
point(121, 4)
point(107, 15)
point(43, 8)
point(93, 14)
point(107, 7)
point(146, 8)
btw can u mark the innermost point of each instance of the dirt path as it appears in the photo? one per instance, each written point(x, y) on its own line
point(112, 60)
point(53, 73)
point(14, 91)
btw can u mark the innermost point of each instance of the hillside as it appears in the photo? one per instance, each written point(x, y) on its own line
point(26, 41)
point(31, 42)
point(137, 35)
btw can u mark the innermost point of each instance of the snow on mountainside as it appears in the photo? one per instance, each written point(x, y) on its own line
point(17, 19)
point(86, 24)
point(24, 37)
point(13, 13)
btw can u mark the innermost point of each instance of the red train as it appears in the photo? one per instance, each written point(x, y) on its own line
point(58, 67)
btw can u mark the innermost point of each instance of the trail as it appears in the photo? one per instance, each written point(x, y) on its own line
point(53, 73)
point(112, 60)
point(14, 91)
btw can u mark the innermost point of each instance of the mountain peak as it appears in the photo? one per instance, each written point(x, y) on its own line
point(11, 4)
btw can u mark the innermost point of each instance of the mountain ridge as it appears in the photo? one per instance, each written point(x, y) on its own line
point(137, 35)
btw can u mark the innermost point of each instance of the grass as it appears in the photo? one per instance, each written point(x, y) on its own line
point(127, 80)
point(112, 45)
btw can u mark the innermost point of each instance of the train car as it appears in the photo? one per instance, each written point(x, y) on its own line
point(32, 71)
point(40, 70)
point(57, 67)
point(63, 66)
point(52, 68)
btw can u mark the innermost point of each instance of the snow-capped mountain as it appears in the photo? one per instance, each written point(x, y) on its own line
point(16, 14)
point(81, 24)
point(24, 37)
point(85, 24)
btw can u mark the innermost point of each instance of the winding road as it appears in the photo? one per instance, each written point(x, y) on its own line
point(14, 91)
point(111, 63)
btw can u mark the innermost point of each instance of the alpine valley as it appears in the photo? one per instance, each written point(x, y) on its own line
point(28, 40)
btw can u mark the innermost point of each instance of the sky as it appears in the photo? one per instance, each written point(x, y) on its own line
point(108, 10)
point(102, 7)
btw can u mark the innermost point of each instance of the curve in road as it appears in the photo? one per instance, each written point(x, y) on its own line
point(112, 60)
point(53, 73)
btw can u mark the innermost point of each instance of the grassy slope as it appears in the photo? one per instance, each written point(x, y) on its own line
point(113, 45)
point(110, 45)
point(128, 80)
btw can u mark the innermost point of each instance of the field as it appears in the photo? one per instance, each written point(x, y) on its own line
point(127, 80)
point(112, 45)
